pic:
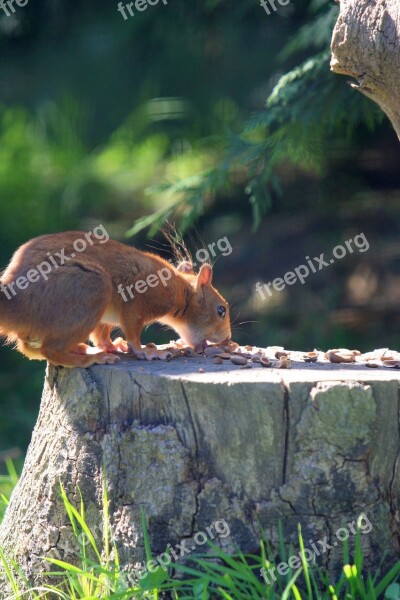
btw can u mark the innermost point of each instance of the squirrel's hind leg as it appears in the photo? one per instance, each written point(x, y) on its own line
point(59, 336)
point(75, 356)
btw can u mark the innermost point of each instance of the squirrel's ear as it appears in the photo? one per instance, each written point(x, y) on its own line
point(205, 275)
point(185, 267)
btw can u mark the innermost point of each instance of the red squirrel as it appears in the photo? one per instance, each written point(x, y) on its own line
point(51, 313)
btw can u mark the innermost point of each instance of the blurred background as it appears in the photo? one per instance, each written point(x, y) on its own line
point(162, 116)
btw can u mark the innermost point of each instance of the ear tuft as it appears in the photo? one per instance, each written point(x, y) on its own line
point(185, 267)
point(205, 275)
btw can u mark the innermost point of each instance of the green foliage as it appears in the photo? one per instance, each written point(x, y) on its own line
point(7, 484)
point(307, 110)
point(98, 574)
point(100, 577)
point(237, 578)
point(315, 33)
point(37, 158)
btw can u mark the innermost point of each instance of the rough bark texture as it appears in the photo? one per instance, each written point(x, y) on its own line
point(316, 445)
point(366, 46)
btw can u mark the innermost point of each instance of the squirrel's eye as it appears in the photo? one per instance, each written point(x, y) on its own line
point(221, 311)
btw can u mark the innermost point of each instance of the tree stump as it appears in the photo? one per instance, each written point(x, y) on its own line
point(366, 46)
point(317, 445)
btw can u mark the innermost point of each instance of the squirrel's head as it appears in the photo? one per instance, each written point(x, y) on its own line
point(205, 314)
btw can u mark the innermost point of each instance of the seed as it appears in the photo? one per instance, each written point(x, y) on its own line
point(391, 364)
point(224, 355)
point(372, 365)
point(265, 362)
point(310, 357)
point(201, 370)
point(341, 356)
point(283, 364)
point(238, 360)
point(218, 360)
point(281, 355)
point(188, 352)
point(220, 349)
point(256, 358)
point(211, 351)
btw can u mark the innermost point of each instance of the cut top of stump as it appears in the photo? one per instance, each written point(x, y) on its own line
point(200, 368)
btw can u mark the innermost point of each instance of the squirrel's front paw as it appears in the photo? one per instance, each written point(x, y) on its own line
point(150, 352)
point(120, 345)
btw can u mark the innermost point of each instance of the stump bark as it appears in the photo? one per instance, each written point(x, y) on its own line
point(316, 445)
point(366, 46)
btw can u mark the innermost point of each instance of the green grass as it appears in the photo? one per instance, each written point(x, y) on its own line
point(7, 484)
point(97, 573)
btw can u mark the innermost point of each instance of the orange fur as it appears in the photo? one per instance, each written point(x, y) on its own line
point(80, 300)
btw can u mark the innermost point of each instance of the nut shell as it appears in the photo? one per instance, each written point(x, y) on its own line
point(238, 360)
point(310, 357)
point(337, 356)
point(265, 362)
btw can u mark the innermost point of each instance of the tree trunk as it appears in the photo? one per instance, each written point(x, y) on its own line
point(366, 46)
point(317, 445)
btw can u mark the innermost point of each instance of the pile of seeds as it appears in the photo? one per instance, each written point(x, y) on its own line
point(378, 358)
point(277, 357)
point(244, 356)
